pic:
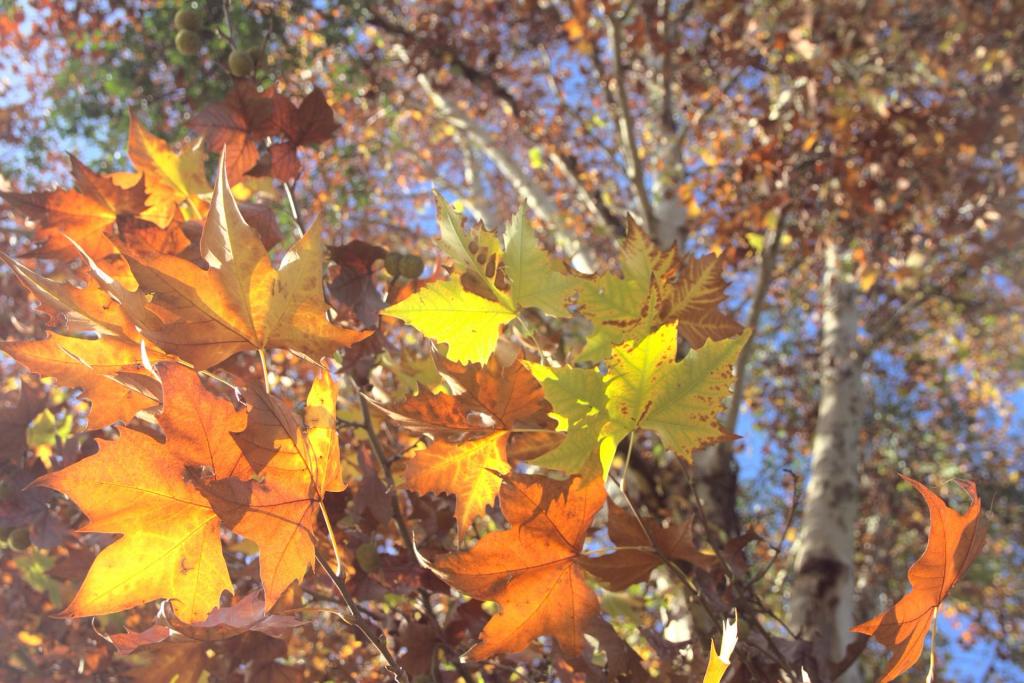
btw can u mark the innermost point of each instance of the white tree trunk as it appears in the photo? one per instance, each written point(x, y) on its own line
point(669, 211)
point(822, 604)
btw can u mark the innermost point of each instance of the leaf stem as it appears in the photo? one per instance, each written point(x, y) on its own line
point(931, 650)
point(334, 541)
point(293, 208)
point(625, 467)
point(358, 622)
point(266, 374)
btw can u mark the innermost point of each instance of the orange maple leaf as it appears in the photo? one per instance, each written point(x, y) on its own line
point(109, 371)
point(94, 206)
point(152, 494)
point(954, 541)
point(495, 402)
point(171, 179)
point(294, 465)
point(98, 207)
point(241, 302)
point(89, 308)
point(532, 570)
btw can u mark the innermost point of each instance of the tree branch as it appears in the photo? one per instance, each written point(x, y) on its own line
point(627, 135)
point(765, 275)
point(403, 530)
point(356, 620)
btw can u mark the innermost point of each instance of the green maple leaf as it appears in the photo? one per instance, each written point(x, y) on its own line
point(496, 279)
point(537, 279)
point(647, 389)
point(578, 400)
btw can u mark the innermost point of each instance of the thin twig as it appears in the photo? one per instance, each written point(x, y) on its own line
point(712, 541)
point(777, 548)
point(378, 453)
point(356, 620)
point(672, 566)
point(403, 530)
point(227, 22)
point(741, 597)
point(765, 276)
point(774, 653)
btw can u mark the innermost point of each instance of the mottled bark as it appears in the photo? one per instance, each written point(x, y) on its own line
point(822, 603)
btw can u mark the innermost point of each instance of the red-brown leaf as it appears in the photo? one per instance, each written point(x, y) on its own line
point(237, 124)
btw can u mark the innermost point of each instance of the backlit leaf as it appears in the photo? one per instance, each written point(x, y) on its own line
point(531, 570)
point(954, 541)
point(151, 494)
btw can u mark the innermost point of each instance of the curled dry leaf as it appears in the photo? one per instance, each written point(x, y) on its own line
point(954, 542)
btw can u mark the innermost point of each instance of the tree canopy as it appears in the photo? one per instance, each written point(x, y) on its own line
point(511, 340)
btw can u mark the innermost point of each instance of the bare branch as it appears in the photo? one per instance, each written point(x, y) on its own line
point(627, 135)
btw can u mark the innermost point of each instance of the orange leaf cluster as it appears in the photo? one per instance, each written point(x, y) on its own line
point(257, 474)
point(140, 311)
point(473, 431)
